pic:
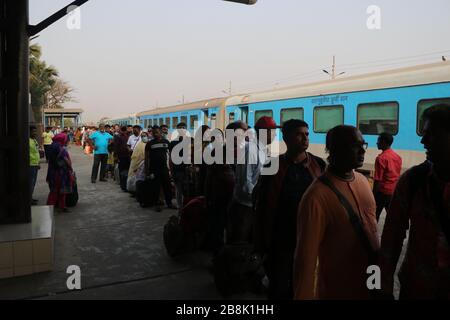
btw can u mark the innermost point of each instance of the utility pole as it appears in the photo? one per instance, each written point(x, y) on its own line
point(229, 90)
point(333, 70)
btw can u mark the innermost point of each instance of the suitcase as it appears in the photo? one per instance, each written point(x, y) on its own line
point(146, 193)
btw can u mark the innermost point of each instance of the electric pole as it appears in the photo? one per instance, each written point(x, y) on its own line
point(333, 70)
point(229, 90)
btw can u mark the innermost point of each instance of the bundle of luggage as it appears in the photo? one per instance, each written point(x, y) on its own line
point(185, 233)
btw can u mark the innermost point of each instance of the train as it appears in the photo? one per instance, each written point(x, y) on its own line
point(388, 101)
point(126, 120)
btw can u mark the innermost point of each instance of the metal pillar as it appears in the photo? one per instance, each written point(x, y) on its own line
point(14, 113)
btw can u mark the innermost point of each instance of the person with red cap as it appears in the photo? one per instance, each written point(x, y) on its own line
point(247, 172)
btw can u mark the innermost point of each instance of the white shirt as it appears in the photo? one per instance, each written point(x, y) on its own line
point(247, 175)
point(133, 141)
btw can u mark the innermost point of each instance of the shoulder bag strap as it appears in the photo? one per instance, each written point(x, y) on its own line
point(354, 219)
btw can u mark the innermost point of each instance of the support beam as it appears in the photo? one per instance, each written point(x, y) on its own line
point(33, 30)
point(248, 2)
point(15, 194)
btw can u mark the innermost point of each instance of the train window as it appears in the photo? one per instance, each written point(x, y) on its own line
point(261, 113)
point(328, 117)
point(194, 122)
point(168, 122)
point(289, 114)
point(161, 121)
point(424, 105)
point(184, 120)
point(174, 122)
point(376, 118)
point(231, 117)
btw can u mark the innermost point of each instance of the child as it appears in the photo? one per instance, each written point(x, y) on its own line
point(110, 164)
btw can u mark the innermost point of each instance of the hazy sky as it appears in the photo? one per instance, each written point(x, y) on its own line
point(133, 55)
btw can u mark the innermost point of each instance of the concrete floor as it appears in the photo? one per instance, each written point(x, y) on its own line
point(118, 247)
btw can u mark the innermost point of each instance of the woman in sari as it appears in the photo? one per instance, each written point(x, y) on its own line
point(137, 162)
point(60, 176)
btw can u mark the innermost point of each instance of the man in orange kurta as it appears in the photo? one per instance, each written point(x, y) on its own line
point(330, 259)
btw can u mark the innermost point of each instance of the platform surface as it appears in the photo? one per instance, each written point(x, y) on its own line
point(41, 227)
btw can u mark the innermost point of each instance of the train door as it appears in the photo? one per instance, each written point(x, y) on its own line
point(205, 117)
point(194, 122)
point(231, 115)
point(213, 118)
point(244, 114)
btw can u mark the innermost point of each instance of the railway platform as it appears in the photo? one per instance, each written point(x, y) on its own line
point(119, 248)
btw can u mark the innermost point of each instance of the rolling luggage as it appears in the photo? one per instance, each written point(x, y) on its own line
point(146, 194)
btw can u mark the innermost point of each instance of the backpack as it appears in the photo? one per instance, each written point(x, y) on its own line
point(238, 270)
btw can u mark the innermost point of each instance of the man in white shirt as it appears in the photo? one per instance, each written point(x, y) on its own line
point(246, 177)
point(134, 139)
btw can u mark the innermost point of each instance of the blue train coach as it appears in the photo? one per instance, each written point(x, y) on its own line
point(390, 101)
point(206, 112)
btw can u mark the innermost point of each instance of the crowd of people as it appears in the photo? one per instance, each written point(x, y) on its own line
point(314, 222)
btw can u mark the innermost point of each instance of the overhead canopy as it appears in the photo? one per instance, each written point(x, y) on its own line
point(63, 111)
point(54, 117)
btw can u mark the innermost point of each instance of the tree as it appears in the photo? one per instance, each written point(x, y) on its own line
point(46, 88)
point(60, 92)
